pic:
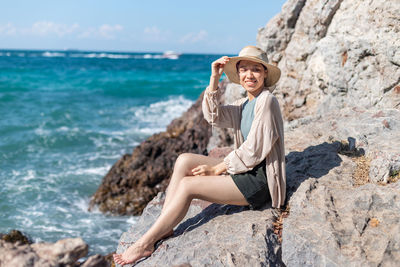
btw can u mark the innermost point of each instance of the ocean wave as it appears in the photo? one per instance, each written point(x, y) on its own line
point(101, 55)
point(53, 54)
point(163, 112)
point(95, 170)
point(66, 54)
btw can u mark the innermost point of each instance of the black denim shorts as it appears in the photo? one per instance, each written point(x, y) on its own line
point(254, 186)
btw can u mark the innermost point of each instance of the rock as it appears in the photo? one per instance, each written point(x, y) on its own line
point(331, 223)
point(20, 256)
point(15, 236)
point(209, 235)
point(383, 166)
point(340, 81)
point(364, 130)
point(96, 261)
point(64, 252)
point(335, 54)
point(220, 152)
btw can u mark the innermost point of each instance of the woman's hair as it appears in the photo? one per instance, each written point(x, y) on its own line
point(237, 66)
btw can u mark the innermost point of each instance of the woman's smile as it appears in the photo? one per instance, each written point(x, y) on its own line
point(250, 82)
point(251, 77)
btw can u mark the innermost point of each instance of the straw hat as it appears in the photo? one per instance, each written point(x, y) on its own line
point(254, 54)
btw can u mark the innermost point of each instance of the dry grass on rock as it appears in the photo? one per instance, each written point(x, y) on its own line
point(361, 174)
point(278, 224)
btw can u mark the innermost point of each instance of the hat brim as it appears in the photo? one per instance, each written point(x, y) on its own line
point(274, 73)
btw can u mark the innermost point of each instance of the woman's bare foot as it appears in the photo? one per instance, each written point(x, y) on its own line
point(133, 254)
point(137, 251)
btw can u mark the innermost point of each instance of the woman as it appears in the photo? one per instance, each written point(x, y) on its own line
point(252, 174)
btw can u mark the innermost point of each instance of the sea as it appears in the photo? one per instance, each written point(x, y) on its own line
point(66, 117)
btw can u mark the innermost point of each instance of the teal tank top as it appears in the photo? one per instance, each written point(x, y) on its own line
point(247, 117)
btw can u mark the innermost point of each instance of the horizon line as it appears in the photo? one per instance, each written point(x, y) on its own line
point(111, 51)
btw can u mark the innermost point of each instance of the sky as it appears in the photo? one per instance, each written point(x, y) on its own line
point(203, 26)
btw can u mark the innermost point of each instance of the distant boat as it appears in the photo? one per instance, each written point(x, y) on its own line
point(171, 55)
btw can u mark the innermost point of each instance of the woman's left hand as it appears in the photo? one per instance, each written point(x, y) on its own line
point(203, 170)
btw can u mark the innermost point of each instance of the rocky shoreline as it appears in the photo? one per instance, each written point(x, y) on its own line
point(340, 96)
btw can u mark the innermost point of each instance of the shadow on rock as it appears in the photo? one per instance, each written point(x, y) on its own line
point(315, 162)
point(209, 213)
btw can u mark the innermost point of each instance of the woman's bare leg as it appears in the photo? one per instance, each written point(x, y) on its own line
point(183, 167)
point(216, 189)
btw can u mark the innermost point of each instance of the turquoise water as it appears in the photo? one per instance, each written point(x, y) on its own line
point(66, 118)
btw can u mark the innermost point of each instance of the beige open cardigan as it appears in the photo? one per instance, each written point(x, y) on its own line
point(265, 139)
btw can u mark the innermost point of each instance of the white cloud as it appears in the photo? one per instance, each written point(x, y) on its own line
point(107, 31)
point(45, 28)
point(8, 29)
point(104, 31)
point(194, 37)
point(152, 30)
point(153, 33)
point(49, 28)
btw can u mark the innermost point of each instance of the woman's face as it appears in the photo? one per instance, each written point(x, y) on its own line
point(251, 75)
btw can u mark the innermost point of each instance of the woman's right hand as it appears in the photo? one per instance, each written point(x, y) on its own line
point(217, 67)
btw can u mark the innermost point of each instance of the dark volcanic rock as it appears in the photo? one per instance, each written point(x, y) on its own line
point(15, 236)
point(136, 179)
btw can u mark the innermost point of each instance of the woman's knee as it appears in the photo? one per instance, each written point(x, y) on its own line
point(184, 161)
point(184, 158)
point(186, 186)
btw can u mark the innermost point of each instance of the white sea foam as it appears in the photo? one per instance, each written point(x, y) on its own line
point(53, 54)
point(161, 113)
point(62, 209)
point(15, 173)
point(67, 129)
point(101, 55)
point(132, 220)
point(97, 171)
point(41, 131)
point(31, 174)
point(84, 171)
point(81, 203)
point(149, 56)
point(150, 131)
